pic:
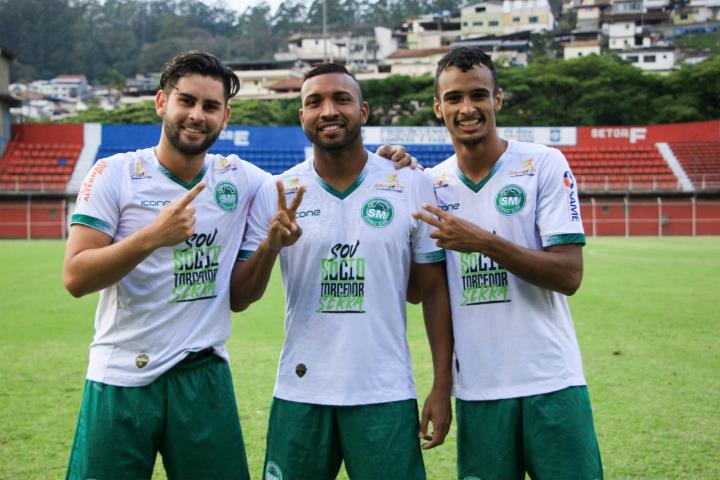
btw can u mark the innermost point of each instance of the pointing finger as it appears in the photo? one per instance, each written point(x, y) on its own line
point(281, 195)
point(190, 196)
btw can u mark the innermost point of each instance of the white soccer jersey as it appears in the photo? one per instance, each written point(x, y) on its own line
point(512, 339)
point(177, 299)
point(345, 283)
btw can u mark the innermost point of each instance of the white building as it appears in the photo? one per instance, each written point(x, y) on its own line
point(360, 52)
point(504, 17)
point(660, 59)
point(580, 48)
point(437, 30)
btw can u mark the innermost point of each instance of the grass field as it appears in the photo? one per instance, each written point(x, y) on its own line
point(647, 319)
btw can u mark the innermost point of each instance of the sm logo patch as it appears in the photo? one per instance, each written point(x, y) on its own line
point(377, 212)
point(510, 199)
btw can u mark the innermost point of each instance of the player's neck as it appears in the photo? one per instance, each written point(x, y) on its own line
point(477, 160)
point(340, 168)
point(185, 167)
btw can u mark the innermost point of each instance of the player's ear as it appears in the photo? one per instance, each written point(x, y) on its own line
point(437, 109)
point(498, 99)
point(160, 102)
point(364, 112)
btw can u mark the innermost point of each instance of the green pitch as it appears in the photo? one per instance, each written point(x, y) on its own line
point(647, 319)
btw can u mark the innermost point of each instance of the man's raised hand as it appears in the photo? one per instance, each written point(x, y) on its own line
point(453, 233)
point(284, 231)
point(176, 221)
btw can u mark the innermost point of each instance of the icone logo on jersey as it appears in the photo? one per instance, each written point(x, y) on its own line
point(153, 203)
point(446, 207)
point(308, 213)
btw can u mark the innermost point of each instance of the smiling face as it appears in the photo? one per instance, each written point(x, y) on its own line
point(332, 112)
point(468, 101)
point(194, 113)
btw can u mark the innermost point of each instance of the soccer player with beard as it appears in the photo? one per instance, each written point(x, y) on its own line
point(510, 221)
point(157, 232)
point(345, 389)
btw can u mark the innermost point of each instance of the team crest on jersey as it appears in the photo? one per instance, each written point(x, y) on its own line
point(139, 171)
point(273, 471)
point(390, 184)
point(377, 212)
point(526, 169)
point(510, 199)
point(292, 185)
point(223, 165)
point(440, 181)
point(226, 196)
point(141, 360)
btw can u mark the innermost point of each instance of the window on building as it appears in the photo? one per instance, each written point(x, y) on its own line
point(533, 19)
point(516, 19)
point(478, 24)
point(632, 58)
point(683, 16)
point(479, 9)
point(649, 58)
point(465, 24)
point(579, 54)
point(493, 23)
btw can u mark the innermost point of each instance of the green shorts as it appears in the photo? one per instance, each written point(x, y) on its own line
point(550, 436)
point(189, 415)
point(377, 441)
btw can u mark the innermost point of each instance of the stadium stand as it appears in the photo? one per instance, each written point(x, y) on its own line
point(627, 169)
point(633, 180)
point(40, 157)
point(701, 162)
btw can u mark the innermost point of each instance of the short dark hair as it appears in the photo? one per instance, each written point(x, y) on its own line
point(465, 58)
point(201, 63)
point(330, 67)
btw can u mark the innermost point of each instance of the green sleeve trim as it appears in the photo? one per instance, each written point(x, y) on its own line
point(93, 222)
point(432, 257)
point(564, 239)
point(244, 255)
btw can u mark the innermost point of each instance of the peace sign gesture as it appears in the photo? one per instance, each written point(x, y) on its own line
point(453, 233)
point(284, 231)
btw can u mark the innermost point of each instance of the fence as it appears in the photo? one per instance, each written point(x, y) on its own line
point(32, 217)
point(655, 216)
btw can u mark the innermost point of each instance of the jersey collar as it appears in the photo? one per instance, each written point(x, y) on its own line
point(475, 187)
point(178, 180)
point(353, 186)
